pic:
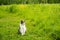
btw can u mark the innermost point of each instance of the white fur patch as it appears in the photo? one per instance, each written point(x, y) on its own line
point(22, 28)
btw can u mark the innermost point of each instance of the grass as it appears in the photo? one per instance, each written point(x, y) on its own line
point(42, 21)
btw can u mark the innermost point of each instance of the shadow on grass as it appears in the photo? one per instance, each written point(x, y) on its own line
point(1, 37)
point(56, 35)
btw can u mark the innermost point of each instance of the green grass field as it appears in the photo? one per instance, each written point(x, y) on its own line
point(42, 21)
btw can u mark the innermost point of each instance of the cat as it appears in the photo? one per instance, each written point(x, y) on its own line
point(22, 28)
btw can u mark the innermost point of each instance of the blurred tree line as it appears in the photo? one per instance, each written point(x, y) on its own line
point(27, 1)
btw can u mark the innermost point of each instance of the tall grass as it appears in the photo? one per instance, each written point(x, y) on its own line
point(42, 21)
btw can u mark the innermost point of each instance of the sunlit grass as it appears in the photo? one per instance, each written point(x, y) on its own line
point(42, 21)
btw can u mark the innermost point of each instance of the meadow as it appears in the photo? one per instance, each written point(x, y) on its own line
point(42, 21)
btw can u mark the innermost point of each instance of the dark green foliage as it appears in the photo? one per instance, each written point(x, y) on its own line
point(5, 2)
point(13, 9)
